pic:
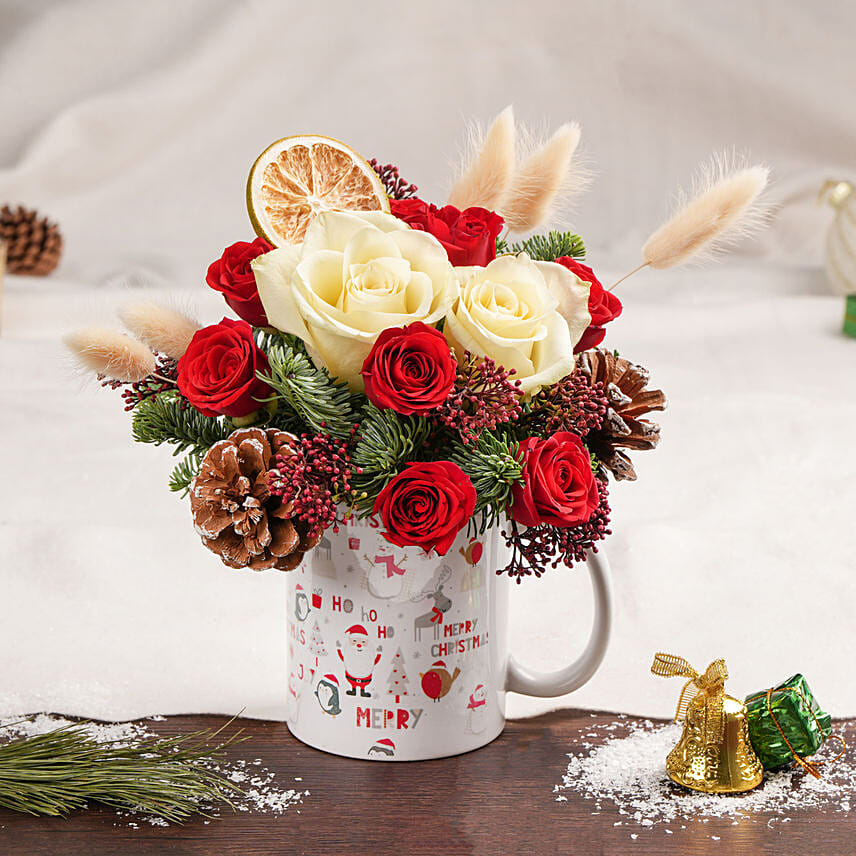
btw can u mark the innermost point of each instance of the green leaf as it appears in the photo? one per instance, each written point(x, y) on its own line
point(318, 401)
point(553, 245)
point(493, 468)
point(387, 441)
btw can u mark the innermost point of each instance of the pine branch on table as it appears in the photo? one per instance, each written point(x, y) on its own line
point(61, 771)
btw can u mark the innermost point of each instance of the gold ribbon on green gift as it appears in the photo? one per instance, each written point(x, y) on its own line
point(810, 766)
point(710, 684)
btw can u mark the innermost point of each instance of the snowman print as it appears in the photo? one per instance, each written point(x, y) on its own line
point(477, 710)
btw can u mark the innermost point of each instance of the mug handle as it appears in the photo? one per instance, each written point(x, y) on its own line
point(520, 679)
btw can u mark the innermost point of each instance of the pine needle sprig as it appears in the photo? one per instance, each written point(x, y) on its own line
point(493, 467)
point(185, 472)
point(321, 402)
point(387, 441)
point(553, 245)
point(167, 418)
point(61, 771)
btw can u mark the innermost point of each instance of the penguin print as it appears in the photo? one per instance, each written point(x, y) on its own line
point(301, 603)
point(327, 693)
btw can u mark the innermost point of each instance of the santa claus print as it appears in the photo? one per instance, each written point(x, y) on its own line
point(358, 659)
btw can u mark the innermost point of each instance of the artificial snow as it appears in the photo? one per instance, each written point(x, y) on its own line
point(260, 794)
point(627, 767)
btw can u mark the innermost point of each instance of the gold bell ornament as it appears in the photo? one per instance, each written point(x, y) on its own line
point(714, 754)
point(840, 257)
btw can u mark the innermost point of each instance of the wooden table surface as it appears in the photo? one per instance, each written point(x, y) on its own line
point(498, 800)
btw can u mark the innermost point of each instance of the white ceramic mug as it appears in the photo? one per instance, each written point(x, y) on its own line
point(395, 655)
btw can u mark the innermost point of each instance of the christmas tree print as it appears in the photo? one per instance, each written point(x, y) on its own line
point(316, 644)
point(397, 683)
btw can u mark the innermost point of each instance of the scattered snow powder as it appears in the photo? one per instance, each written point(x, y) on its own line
point(261, 794)
point(627, 766)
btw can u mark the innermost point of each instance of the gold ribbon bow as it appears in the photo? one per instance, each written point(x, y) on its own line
point(710, 685)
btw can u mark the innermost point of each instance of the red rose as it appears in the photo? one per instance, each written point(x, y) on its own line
point(469, 237)
point(233, 277)
point(558, 486)
point(426, 505)
point(217, 373)
point(603, 305)
point(409, 369)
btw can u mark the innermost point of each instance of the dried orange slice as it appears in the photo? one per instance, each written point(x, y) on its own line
point(296, 178)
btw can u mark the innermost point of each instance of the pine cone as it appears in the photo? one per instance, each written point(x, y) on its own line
point(234, 510)
point(33, 244)
point(624, 386)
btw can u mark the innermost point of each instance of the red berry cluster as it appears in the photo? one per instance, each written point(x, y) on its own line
point(535, 548)
point(396, 187)
point(483, 397)
point(313, 474)
point(164, 377)
point(573, 404)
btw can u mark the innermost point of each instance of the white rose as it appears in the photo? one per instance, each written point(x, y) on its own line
point(525, 315)
point(355, 275)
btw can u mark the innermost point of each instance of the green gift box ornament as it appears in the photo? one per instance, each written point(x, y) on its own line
point(786, 724)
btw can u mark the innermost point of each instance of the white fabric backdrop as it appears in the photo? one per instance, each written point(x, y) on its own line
point(134, 125)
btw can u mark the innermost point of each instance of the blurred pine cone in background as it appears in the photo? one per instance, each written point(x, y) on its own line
point(33, 244)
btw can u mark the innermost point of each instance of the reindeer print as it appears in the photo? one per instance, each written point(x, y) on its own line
point(442, 604)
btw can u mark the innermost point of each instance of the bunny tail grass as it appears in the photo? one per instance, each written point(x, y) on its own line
point(111, 353)
point(487, 177)
point(161, 328)
point(722, 209)
point(540, 179)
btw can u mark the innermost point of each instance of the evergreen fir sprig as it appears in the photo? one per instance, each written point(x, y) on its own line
point(551, 246)
point(386, 443)
point(319, 401)
point(61, 771)
point(167, 418)
point(493, 467)
point(185, 472)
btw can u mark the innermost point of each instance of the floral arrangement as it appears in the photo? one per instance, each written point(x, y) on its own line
point(400, 360)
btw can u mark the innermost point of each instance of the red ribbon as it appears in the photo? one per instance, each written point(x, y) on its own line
point(437, 615)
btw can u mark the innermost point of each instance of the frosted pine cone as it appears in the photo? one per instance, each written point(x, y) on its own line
point(624, 387)
point(234, 510)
